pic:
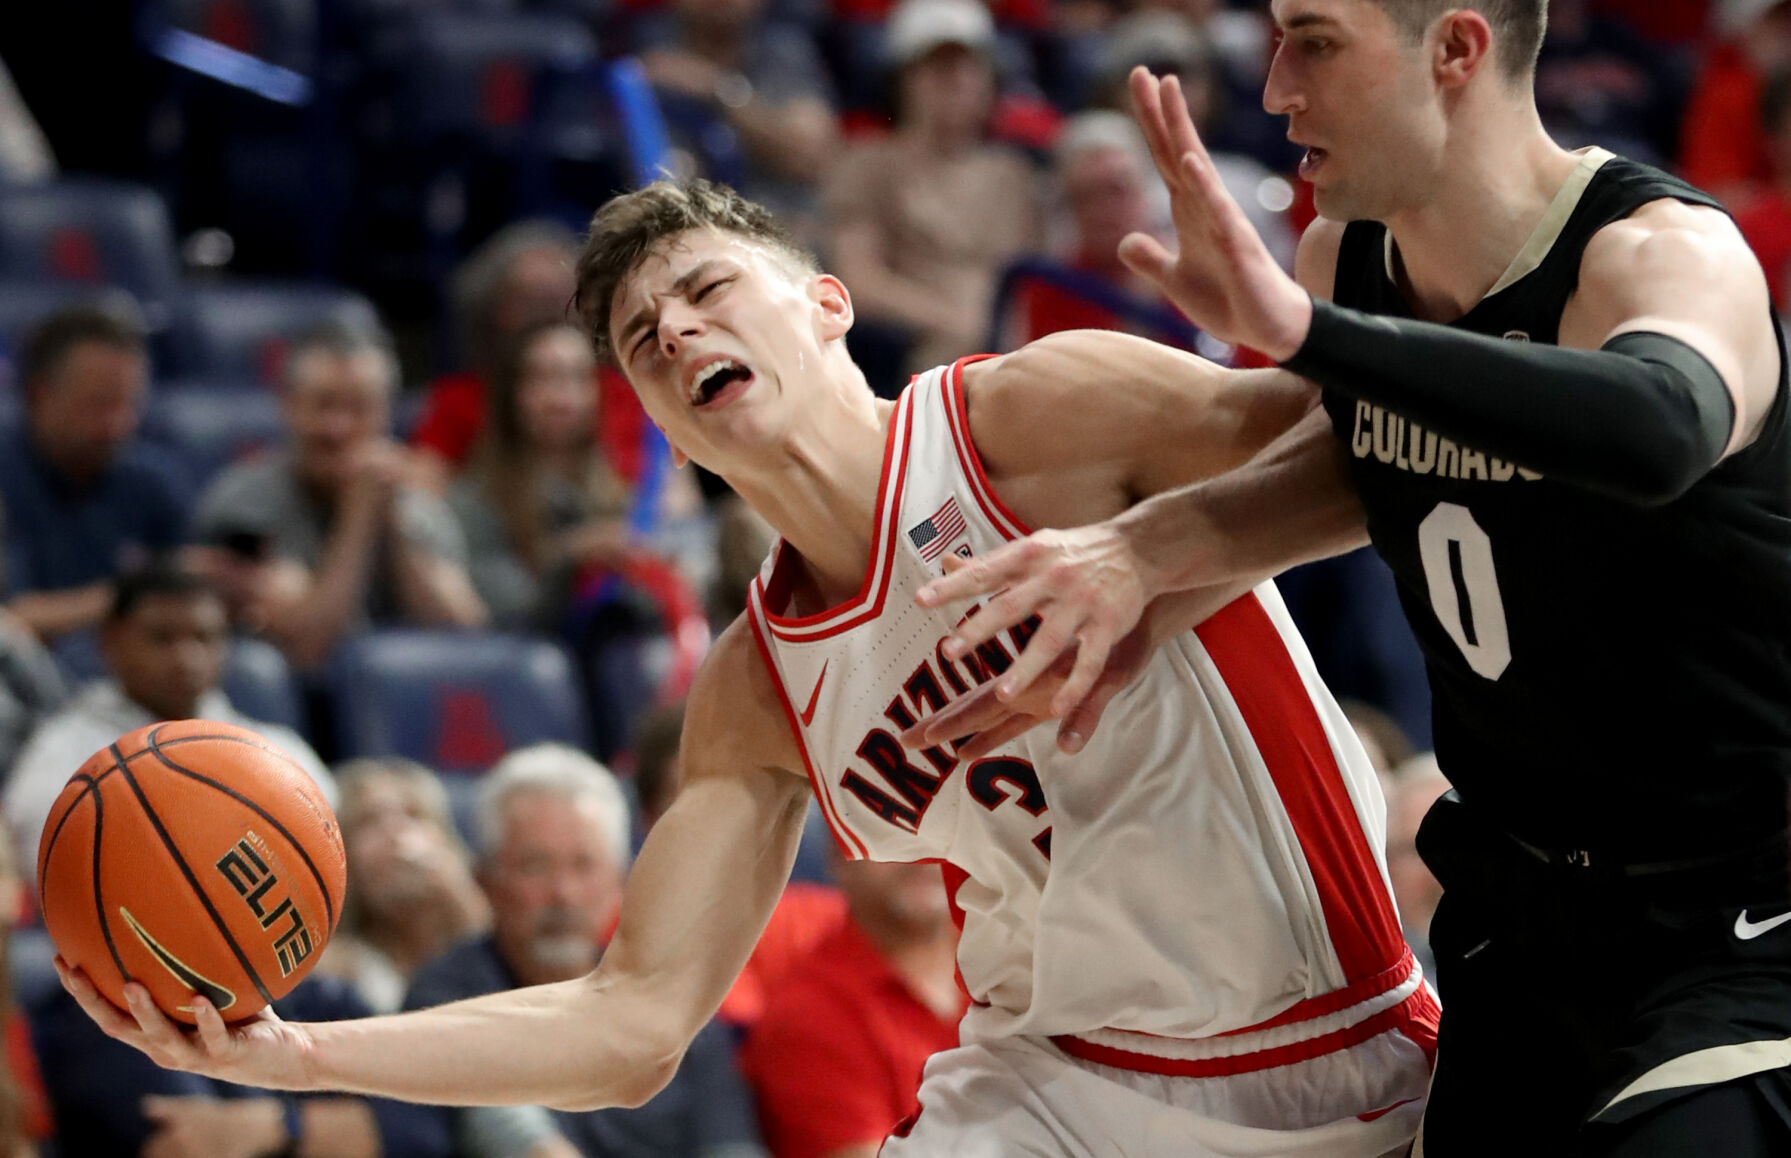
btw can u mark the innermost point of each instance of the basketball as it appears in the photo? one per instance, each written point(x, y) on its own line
point(193, 857)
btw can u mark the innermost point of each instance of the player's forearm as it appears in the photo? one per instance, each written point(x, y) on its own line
point(1640, 420)
point(573, 1045)
point(1291, 504)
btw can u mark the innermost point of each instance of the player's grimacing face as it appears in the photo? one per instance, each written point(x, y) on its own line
point(1359, 96)
point(713, 331)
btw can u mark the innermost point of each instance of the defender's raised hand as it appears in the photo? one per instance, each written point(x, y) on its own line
point(1222, 275)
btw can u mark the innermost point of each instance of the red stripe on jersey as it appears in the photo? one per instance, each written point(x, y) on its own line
point(954, 878)
point(849, 844)
point(864, 606)
point(1415, 1017)
point(1324, 1004)
point(957, 412)
point(1277, 709)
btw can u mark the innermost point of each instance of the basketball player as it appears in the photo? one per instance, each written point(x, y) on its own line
point(1178, 943)
point(1582, 481)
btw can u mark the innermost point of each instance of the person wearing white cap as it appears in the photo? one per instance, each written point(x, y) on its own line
point(925, 217)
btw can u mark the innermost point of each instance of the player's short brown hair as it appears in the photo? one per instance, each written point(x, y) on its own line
point(1518, 26)
point(628, 228)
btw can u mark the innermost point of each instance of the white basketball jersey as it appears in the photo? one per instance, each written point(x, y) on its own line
point(1203, 883)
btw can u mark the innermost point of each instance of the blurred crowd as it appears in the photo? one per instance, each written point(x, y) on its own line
point(297, 434)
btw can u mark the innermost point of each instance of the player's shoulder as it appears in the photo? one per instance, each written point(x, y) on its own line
point(1663, 235)
point(736, 710)
point(1071, 371)
point(1315, 261)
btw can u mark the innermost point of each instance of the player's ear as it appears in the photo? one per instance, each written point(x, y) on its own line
point(834, 304)
point(1461, 43)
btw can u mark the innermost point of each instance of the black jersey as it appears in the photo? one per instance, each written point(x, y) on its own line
point(1605, 677)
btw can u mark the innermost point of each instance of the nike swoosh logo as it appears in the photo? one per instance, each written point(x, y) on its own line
point(220, 997)
point(808, 713)
point(1376, 1115)
point(1746, 930)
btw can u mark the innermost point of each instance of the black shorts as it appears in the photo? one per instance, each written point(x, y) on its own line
point(1579, 1002)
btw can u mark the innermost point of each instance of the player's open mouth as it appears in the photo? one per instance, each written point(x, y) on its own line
point(719, 382)
point(1309, 164)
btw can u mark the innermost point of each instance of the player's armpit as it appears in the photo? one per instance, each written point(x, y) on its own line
point(1686, 272)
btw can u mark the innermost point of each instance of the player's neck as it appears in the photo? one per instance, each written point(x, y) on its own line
point(819, 491)
point(1494, 187)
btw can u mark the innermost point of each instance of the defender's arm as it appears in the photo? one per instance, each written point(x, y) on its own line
point(697, 900)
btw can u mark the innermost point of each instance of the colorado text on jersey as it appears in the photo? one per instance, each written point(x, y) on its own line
point(1406, 445)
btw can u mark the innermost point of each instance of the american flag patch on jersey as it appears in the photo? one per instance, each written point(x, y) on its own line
point(936, 532)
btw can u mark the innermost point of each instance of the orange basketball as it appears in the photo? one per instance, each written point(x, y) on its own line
point(192, 857)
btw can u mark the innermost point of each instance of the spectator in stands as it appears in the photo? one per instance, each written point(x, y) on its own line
point(357, 546)
point(1723, 142)
point(1110, 188)
point(553, 848)
point(164, 642)
point(743, 539)
point(1411, 788)
point(836, 1058)
point(411, 893)
point(31, 686)
point(1171, 44)
point(109, 1099)
point(1600, 82)
point(925, 218)
point(1763, 212)
point(721, 65)
point(538, 502)
point(521, 276)
point(84, 498)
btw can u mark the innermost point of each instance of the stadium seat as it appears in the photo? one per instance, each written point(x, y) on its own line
point(477, 75)
point(238, 332)
point(211, 425)
point(260, 685)
point(93, 233)
point(457, 701)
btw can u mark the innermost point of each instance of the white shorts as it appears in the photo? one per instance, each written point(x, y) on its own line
point(1017, 1097)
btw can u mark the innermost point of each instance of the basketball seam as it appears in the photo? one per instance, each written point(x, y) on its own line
point(155, 749)
point(49, 846)
point(99, 900)
point(186, 870)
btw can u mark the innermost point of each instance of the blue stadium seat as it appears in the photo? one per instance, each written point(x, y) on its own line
point(478, 75)
point(93, 233)
point(237, 332)
point(211, 425)
point(260, 685)
point(456, 701)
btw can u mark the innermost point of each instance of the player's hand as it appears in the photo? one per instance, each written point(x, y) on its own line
point(1222, 275)
point(264, 1051)
point(984, 721)
point(1086, 585)
point(205, 1127)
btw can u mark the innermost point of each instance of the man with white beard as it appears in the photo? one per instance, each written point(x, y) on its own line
point(553, 847)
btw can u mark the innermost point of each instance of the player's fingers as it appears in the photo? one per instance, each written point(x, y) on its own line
point(1145, 256)
point(1082, 720)
point(214, 1035)
point(1230, 225)
point(1178, 126)
point(1056, 634)
point(1147, 105)
point(977, 576)
point(985, 742)
point(161, 1039)
point(1091, 660)
point(112, 1020)
point(1012, 606)
point(964, 715)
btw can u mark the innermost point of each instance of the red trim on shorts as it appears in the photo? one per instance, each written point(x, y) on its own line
point(855, 850)
point(957, 412)
point(874, 589)
point(1415, 1017)
point(1324, 1004)
point(1277, 708)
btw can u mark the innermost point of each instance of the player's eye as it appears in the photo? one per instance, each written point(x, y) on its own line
point(711, 287)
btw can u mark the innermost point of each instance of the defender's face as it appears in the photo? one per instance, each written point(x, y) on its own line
point(1361, 99)
point(718, 334)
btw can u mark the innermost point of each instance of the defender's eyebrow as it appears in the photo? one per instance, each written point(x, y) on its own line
point(1306, 20)
point(679, 287)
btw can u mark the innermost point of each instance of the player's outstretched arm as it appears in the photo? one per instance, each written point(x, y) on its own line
point(697, 899)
